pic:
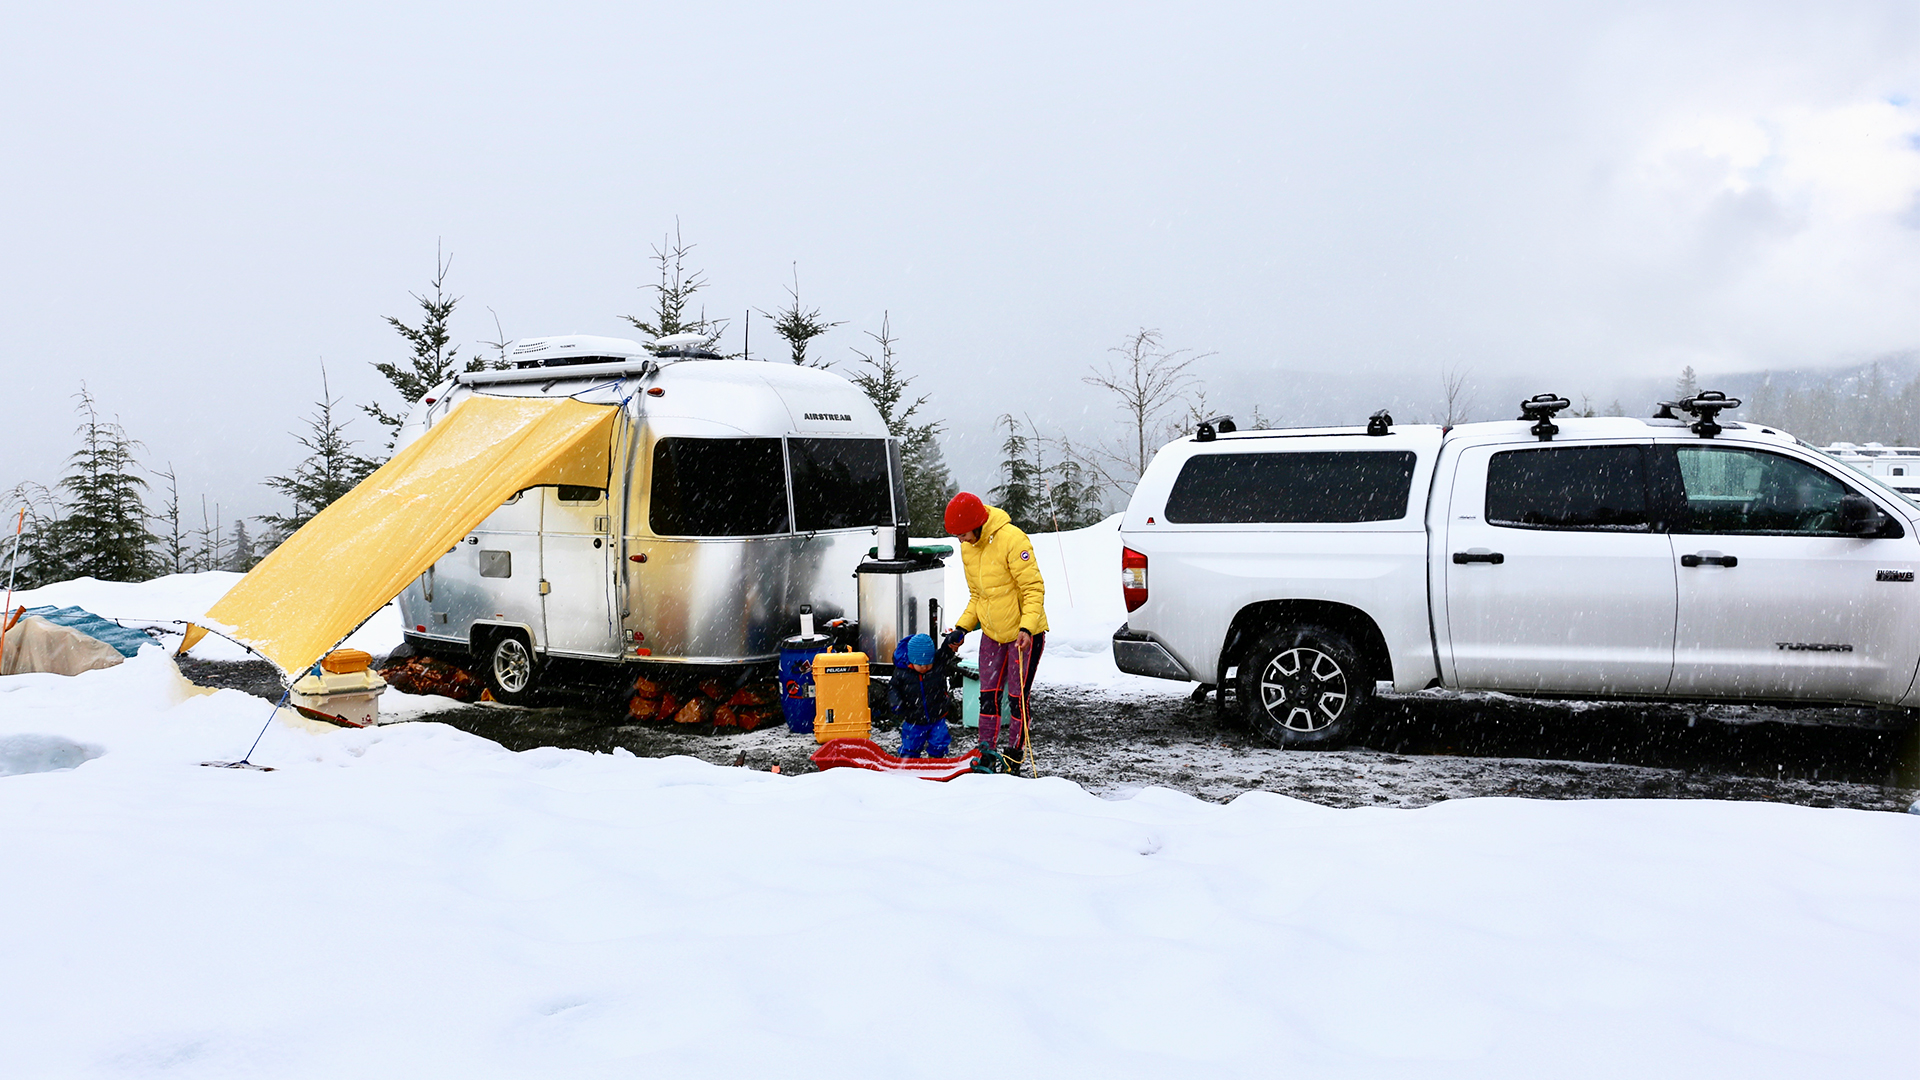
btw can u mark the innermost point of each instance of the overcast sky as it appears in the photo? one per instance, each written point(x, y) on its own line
point(202, 202)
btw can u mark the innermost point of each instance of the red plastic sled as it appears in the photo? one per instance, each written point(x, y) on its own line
point(867, 754)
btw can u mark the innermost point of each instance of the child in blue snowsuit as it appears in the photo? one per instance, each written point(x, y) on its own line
point(917, 697)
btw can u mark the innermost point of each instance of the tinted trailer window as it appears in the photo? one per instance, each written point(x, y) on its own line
point(718, 487)
point(1292, 488)
point(840, 483)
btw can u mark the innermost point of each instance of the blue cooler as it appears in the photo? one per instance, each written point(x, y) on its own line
point(969, 695)
point(796, 679)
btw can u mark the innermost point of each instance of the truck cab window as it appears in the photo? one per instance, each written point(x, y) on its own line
point(1569, 487)
point(717, 487)
point(840, 483)
point(1733, 490)
point(1292, 487)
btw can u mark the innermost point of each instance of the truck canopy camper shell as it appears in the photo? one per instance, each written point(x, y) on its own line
point(737, 491)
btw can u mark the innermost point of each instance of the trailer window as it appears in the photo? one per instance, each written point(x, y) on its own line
point(840, 483)
point(1292, 488)
point(1569, 487)
point(717, 487)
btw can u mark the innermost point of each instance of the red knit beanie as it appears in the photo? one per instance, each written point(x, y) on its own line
point(965, 513)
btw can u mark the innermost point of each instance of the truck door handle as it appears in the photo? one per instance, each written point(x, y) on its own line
point(1478, 555)
point(1709, 559)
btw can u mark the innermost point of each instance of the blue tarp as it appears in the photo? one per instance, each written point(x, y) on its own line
point(124, 639)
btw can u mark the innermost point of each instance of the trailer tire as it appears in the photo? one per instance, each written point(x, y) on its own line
point(1303, 686)
point(511, 668)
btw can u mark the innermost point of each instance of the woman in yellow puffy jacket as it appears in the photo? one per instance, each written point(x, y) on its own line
point(1007, 602)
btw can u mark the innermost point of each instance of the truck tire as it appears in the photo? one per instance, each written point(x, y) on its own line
point(1303, 686)
point(511, 669)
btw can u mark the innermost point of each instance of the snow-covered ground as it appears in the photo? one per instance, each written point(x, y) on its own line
point(415, 901)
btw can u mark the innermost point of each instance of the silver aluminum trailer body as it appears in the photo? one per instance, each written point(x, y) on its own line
point(739, 491)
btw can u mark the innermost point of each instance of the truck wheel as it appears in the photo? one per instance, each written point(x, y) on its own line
point(1303, 685)
point(512, 671)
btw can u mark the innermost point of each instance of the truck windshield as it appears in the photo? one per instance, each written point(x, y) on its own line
point(1292, 487)
point(840, 483)
point(717, 487)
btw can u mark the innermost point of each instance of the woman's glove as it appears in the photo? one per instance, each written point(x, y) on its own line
point(954, 638)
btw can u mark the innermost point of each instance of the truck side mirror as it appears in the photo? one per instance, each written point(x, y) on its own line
point(1860, 517)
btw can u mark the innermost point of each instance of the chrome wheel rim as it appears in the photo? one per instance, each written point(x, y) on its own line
point(512, 665)
point(1303, 689)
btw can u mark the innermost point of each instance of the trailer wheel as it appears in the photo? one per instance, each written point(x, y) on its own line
point(511, 669)
point(1303, 686)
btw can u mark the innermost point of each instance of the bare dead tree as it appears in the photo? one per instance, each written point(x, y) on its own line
point(175, 552)
point(1149, 381)
point(1456, 395)
point(499, 343)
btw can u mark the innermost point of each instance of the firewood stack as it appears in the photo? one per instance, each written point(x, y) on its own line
point(718, 702)
point(432, 675)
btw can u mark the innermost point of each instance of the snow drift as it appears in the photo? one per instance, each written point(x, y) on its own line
point(414, 901)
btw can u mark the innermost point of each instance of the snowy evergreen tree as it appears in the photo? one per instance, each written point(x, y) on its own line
point(1074, 499)
point(1687, 385)
point(929, 486)
point(1763, 403)
point(674, 295)
point(1019, 492)
point(242, 558)
point(39, 560)
point(923, 466)
point(103, 531)
point(798, 325)
point(330, 469)
point(433, 361)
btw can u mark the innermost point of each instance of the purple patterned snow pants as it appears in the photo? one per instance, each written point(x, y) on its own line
point(1009, 667)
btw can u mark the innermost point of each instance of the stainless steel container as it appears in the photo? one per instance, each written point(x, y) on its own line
point(898, 599)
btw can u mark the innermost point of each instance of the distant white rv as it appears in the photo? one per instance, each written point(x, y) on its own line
point(1897, 467)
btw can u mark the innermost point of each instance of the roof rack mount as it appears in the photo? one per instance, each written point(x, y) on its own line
point(1704, 406)
point(1540, 408)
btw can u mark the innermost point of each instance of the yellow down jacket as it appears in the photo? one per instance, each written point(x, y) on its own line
point(1005, 593)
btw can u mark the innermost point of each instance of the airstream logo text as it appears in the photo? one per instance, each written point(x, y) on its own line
point(1810, 646)
point(828, 416)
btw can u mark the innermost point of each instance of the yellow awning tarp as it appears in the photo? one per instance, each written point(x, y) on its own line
point(354, 556)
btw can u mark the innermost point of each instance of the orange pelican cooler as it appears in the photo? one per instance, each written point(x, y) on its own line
point(840, 697)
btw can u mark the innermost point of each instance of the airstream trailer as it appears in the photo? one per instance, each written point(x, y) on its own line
point(739, 491)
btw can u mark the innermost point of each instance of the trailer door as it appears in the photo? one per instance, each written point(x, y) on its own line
point(576, 571)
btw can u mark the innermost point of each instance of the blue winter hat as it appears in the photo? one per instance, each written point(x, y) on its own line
point(920, 649)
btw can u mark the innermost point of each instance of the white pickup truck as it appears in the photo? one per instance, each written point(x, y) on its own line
point(1674, 557)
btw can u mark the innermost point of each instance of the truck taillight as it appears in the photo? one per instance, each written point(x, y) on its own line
point(1133, 577)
